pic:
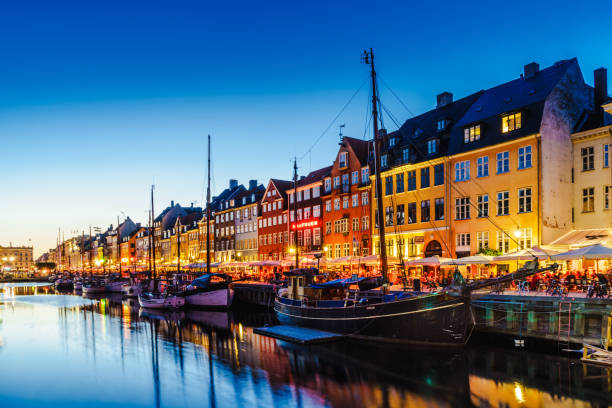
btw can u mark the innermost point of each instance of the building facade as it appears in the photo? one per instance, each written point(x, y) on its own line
point(245, 216)
point(273, 231)
point(16, 258)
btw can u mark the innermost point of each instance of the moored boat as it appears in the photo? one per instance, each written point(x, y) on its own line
point(152, 300)
point(94, 286)
point(210, 290)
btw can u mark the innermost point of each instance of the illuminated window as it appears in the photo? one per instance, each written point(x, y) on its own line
point(471, 134)
point(482, 239)
point(511, 122)
point(400, 214)
point(588, 199)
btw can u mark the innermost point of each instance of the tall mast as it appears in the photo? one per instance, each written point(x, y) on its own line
point(297, 258)
point(153, 231)
point(368, 58)
point(208, 213)
point(178, 243)
point(150, 245)
point(90, 253)
point(119, 245)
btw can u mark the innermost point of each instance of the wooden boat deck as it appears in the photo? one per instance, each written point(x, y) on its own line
point(296, 334)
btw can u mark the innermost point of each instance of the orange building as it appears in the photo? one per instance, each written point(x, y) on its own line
point(273, 230)
point(346, 201)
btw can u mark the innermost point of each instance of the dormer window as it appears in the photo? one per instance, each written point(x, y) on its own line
point(471, 134)
point(511, 122)
point(432, 146)
point(442, 123)
point(343, 160)
point(405, 154)
point(243, 200)
point(392, 141)
point(383, 161)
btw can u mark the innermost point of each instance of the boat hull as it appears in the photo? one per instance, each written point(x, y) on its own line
point(164, 302)
point(220, 298)
point(93, 289)
point(430, 320)
point(130, 290)
point(114, 287)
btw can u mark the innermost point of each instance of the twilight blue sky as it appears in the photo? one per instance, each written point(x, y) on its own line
point(100, 98)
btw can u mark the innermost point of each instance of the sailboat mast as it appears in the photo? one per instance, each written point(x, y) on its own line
point(297, 257)
point(90, 253)
point(119, 246)
point(208, 213)
point(369, 59)
point(150, 244)
point(153, 233)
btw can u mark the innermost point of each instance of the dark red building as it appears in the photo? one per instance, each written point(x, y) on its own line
point(273, 230)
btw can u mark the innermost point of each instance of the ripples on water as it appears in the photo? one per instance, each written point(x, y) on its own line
point(70, 351)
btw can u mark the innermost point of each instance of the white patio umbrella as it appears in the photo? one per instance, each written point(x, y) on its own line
point(430, 261)
point(472, 260)
point(595, 252)
point(526, 255)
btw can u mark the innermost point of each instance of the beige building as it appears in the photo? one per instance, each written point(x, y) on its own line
point(16, 259)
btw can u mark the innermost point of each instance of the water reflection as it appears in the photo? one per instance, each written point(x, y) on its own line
point(132, 357)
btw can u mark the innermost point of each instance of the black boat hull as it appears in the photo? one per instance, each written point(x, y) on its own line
point(432, 320)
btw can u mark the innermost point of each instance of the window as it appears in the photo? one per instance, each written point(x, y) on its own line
point(588, 199)
point(425, 177)
point(405, 154)
point(439, 209)
point(327, 185)
point(337, 250)
point(365, 222)
point(503, 242)
point(383, 161)
point(482, 240)
point(412, 217)
point(524, 157)
point(343, 160)
point(355, 224)
point(511, 122)
point(607, 197)
point(438, 174)
point(355, 200)
point(365, 174)
point(525, 238)
point(392, 141)
point(316, 236)
point(336, 181)
point(462, 208)
point(462, 171)
point(355, 177)
point(328, 227)
point(336, 204)
point(606, 155)
point(524, 200)
point(306, 213)
point(347, 249)
point(588, 158)
point(483, 205)
point(364, 198)
point(400, 214)
point(345, 202)
point(471, 134)
point(503, 203)
point(399, 183)
point(425, 213)
point(432, 146)
point(299, 197)
point(412, 180)
point(482, 166)
point(315, 192)
point(503, 162)
point(345, 183)
point(463, 240)
point(388, 216)
point(306, 194)
point(388, 185)
point(328, 206)
point(442, 124)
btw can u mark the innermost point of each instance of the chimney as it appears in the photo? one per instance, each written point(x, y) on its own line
point(252, 184)
point(192, 204)
point(172, 203)
point(444, 99)
point(601, 86)
point(531, 69)
point(233, 183)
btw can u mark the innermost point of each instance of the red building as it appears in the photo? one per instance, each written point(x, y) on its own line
point(308, 222)
point(346, 201)
point(273, 232)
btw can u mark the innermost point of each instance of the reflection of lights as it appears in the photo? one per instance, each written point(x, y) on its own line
point(518, 393)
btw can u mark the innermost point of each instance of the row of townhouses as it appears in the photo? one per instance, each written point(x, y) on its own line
point(523, 164)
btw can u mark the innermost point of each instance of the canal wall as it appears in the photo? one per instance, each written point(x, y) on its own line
point(254, 293)
point(561, 320)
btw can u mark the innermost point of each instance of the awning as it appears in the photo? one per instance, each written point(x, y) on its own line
point(591, 252)
point(585, 237)
point(472, 260)
point(430, 261)
point(526, 255)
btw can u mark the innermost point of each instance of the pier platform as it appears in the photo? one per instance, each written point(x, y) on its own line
point(296, 334)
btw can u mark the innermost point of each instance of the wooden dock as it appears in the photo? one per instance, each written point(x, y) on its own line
point(296, 334)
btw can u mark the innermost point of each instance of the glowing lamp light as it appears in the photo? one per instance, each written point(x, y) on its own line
point(518, 233)
point(291, 250)
point(325, 248)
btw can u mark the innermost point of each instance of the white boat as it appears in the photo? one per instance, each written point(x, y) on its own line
point(93, 287)
point(63, 284)
point(160, 301)
point(131, 290)
point(115, 286)
point(210, 290)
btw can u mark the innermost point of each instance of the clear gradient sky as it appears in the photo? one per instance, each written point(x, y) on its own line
point(100, 98)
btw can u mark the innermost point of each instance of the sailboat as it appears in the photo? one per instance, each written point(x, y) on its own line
point(156, 299)
point(442, 318)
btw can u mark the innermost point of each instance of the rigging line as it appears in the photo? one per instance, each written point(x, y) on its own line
point(335, 118)
point(463, 193)
point(394, 94)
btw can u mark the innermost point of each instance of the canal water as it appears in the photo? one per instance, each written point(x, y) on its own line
point(69, 351)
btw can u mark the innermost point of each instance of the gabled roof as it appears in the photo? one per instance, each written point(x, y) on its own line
point(313, 177)
point(361, 148)
point(527, 95)
point(259, 191)
point(282, 186)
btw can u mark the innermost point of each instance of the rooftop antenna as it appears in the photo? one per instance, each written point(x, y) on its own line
point(340, 133)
